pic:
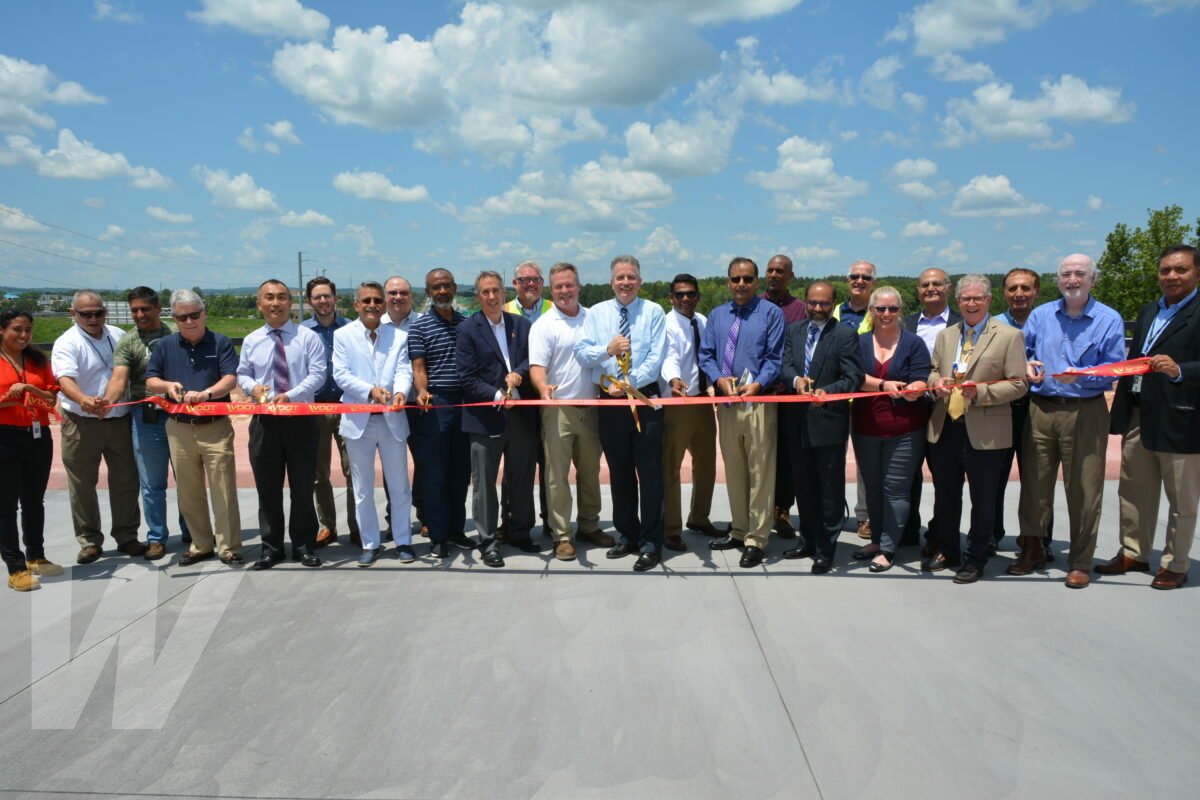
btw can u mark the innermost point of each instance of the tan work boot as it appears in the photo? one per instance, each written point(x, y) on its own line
point(22, 581)
point(44, 568)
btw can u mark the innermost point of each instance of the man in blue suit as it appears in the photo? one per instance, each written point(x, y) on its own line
point(492, 355)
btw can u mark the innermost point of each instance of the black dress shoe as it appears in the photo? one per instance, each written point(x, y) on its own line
point(619, 550)
point(968, 575)
point(939, 562)
point(439, 549)
point(865, 553)
point(821, 566)
point(646, 561)
point(190, 558)
point(462, 540)
point(309, 560)
point(492, 559)
point(266, 562)
point(728, 543)
point(751, 557)
point(527, 546)
point(804, 551)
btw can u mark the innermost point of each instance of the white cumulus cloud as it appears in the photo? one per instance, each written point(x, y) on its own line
point(376, 186)
point(104, 10)
point(281, 18)
point(805, 181)
point(112, 233)
point(237, 191)
point(309, 219)
point(81, 160)
point(953, 67)
point(17, 221)
point(923, 228)
point(25, 86)
point(859, 224)
point(162, 215)
point(943, 26)
point(987, 196)
point(681, 150)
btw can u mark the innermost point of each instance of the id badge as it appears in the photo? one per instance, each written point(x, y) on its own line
point(960, 369)
point(1137, 384)
point(37, 429)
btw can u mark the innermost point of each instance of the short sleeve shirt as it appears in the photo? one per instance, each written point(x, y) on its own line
point(133, 351)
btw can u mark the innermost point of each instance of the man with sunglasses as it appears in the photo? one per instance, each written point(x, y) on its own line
point(150, 446)
point(398, 295)
point(198, 365)
point(780, 274)
point(83, 363)
point(853, 312)
point(741, 354)
point(691, 428)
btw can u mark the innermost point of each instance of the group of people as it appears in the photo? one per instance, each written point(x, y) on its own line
point(962, 391)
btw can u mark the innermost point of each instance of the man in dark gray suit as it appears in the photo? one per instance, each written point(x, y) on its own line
point(820, 357)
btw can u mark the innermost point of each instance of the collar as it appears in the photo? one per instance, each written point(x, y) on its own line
point(1162, 301)
point(944, 316)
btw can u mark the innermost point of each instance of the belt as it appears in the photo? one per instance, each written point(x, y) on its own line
point(1065, 401)
point(188, 419)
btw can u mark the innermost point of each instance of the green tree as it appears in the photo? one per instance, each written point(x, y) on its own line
point(1129, 267)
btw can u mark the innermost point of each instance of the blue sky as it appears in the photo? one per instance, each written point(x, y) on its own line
point(206, 142)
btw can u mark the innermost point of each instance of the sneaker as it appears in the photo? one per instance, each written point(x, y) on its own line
point(368, 557)
point(154, 551)
point(564, 551)
point(405, 553)
point(44, 568)
point(22, 581)
point(88, 553)
point(462, 540)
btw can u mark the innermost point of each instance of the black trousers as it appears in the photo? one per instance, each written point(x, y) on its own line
point(819, 478)
point(784, 483)
point(24, 471)
point(635, 472)
point(443, 451)
point(279, 446)
point(952, 459)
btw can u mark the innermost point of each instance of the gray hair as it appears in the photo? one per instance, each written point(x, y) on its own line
point(185, 297)
point(563, 266)
point(626, 259)
point(973, 279)
point(865, 264)
point(85, 294)
point(887, 291)
point(489, 273)
point(532, 264)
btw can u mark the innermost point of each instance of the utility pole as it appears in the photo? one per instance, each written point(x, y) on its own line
point(300, 259)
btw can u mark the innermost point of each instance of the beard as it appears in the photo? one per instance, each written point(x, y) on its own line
point(445, 306)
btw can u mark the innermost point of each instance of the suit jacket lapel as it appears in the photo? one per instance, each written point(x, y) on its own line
point(489, 337)
point(1183, 318)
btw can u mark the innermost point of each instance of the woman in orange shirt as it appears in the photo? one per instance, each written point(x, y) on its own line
point(26, 450)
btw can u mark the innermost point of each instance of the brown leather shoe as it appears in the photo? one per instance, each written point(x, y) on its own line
point(1165, 579)
point(783, 524)
point(325, 537)
point(564, 551)
point(673, 541)
point(88, 553)
point(1077, 579)
point(1032, 557)
point(155, 551)
point(864, 529)
point(708, 529)
point(598, 538)
point(1120, 564)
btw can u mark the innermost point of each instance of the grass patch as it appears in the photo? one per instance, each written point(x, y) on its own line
point(48, 329)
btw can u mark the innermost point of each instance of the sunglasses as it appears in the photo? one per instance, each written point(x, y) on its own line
point(887, 309)
point(932, 284)
point(92, 314)
point(689, 295)
point(195, 315)
point(865, 278)
point(742, 279)
point(371, 301)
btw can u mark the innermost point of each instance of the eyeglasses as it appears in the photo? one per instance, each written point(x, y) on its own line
point(742, 279)
point(932, 284)
point(818, 303)
point(689, 295)
point(963, 300)
point(92, 314)
point(399, 293)
point(865, 278)
point(887, 309)
point(193, 316)
point(370, 301)
point(528, 280)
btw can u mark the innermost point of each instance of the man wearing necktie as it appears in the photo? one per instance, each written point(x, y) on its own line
point(633, 327)
point(820, 357)
point(283, 362)
point(691, 428)
point(970, 429)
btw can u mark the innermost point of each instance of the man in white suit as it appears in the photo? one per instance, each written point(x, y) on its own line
point(370, 364)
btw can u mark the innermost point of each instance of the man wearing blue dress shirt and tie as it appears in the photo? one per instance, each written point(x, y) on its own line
point(630, 325)
point(283, 362)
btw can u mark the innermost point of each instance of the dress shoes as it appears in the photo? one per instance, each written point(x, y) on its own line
point(439, 549)
point(939, 562)
point(368, 557)
point(706, 528)
point(783, 524)
point(673, 541)
point(88, 553)
point(929, 549)
point(132, 548)
point(618, 550)
point(751, 557)
point(461, 540)
point(598, 538)
point(325, 537)
point(968, 575)
point(1031, 558)
point(306, 557)
point(803, 551)
point(1165, 579)
point(155, 551)
point(1120, 564)
point(882, 566)
point(866, 553)
point(647, 561)
point(728, 543)
point(492, 559)
point(864, 529)
point(821, 565)
point(564, 551)
point(189, 558)
point(405, 553)
point(527, 546)
point(267, 561)
point(232, 559)
point(1077, 579)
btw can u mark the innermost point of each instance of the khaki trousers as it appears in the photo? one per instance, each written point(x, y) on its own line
point(85, 440)
point(327, 432)
point(200, 452)
point(692, 429)
point(1143, 473)
point(1074, 435)
point(571, 434)
point(748, 444)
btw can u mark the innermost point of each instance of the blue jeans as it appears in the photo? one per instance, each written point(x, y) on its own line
point(153, 459)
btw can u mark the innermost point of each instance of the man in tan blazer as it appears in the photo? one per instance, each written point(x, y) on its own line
point(970, 430)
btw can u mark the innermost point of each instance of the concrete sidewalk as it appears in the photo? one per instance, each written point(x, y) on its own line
point(584, 679)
